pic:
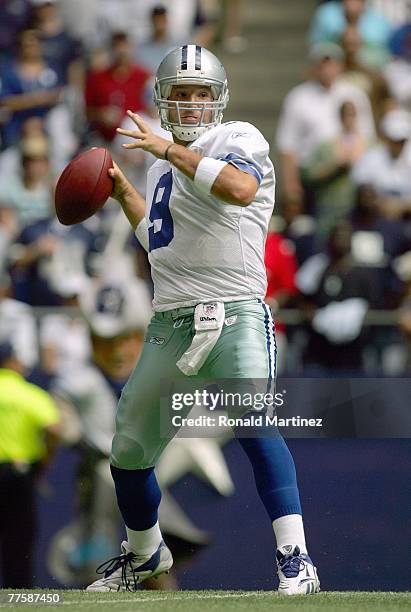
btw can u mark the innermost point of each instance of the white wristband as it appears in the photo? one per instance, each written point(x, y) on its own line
point(141, 233)
point(207, 171)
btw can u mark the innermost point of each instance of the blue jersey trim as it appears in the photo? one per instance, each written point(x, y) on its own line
point(243, 165)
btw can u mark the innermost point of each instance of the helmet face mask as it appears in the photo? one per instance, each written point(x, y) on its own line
point(190, 65)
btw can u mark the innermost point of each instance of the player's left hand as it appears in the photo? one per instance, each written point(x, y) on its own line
point(144, 137)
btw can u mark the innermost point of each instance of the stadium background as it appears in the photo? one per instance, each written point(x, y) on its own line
point(355, 493)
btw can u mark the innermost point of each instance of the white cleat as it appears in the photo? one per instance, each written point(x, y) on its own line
point(128, 570)
point(296, 572)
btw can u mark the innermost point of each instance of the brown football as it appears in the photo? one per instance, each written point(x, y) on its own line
point(83, 186)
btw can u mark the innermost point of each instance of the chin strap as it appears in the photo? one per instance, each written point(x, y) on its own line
point(190, 134)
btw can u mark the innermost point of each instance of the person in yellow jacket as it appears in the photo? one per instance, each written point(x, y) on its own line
point(28, 432)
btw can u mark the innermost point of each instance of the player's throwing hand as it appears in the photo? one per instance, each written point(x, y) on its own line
point(144, 137)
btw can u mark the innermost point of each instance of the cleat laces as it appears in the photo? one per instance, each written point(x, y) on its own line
point(124, 562)
point(292, 566)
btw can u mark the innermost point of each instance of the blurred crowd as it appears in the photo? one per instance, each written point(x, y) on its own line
point(343, 138)
point(339, 244)
point(69, 70)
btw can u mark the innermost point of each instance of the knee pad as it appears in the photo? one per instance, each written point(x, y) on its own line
point(127, 453)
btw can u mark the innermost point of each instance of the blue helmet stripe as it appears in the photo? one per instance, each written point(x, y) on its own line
point(198, 58)
point(184, 57)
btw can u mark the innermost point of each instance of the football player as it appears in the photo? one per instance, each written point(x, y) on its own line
point(209, 197)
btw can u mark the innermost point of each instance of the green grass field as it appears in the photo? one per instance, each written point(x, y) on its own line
point(216, 601)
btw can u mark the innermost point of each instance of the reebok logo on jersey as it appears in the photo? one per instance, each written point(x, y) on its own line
point(235, 135)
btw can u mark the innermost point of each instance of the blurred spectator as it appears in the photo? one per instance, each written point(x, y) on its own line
point(232, 37)
point(110, 92)
point(328, 171)
point(281, 267)
point(27, 191)
point(28, 428)
point(387, 166)
point(29, 86)
point(187, 20)
point(14, 17)
point(357, 70)
point(63, 336)
point(18, 325)
point(398, 71)
point(331, 19)
point(113, 254)
point(66, 122)
point(310, 115)
point(297, 227)
point(336, 295)
point(36, 129)
point(376, 241)
point(161, 41)
point(59, 47)
point(80, 19)
point(117, 316)
point(10, 159)
point(46, 255)
point(116, 311)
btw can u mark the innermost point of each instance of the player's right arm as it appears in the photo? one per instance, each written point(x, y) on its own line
point(132, 203)
point(230, 184)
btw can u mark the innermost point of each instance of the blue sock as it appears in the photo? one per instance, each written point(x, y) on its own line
point(138, 496)
point(274, 474)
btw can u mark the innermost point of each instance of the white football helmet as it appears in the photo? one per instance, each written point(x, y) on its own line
point(190, 65)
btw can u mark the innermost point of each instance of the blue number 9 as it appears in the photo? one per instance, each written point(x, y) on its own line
point(161, 233)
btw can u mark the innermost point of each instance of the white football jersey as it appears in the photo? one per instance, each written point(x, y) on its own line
point(202, 249)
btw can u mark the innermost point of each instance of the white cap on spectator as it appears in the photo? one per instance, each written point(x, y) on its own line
point(325, 50)
point(116, 308)
point(68, 285)
point(396, 125)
